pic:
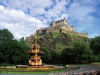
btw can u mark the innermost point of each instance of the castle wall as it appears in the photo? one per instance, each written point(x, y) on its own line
point(71, 28)
point(65, 27)
point(52, 30)
point(74, 33)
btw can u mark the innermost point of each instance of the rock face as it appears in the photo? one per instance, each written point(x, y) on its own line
point(55, 42)
point(61, 26)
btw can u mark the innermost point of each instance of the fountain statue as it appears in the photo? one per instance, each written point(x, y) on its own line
point(35, 60)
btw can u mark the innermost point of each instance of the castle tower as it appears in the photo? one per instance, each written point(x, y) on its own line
point(52, 24)
point(65, 22)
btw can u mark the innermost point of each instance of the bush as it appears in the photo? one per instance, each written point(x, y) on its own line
point(6, 64)
point(46, 57)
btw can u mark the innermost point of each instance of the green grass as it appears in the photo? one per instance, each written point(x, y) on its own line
point(85, 64)
point(72, 35)
point(56, 34)
point(59, 47)
point(74, 67)
point(32, 72)
point(94, 63)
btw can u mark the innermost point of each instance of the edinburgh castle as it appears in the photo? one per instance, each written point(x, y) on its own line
point(61, 26)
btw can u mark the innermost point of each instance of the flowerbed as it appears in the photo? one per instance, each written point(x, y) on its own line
point(71, 67)
point(30, 70)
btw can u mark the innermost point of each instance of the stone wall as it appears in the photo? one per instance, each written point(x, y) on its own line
point(54, 30)
point(74, 33)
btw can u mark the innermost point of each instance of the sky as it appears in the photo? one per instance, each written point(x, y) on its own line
point(23, 17)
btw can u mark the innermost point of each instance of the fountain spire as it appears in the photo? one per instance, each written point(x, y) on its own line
point(35, 39)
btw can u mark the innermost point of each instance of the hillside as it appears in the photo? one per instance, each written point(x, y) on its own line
point(55, 41)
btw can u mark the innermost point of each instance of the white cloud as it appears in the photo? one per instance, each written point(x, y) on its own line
point(78, 11)
point(93, 36)
point(79, 14)
point(34, 6)
point(18, 22)
point(57, 10)
point(11, 15)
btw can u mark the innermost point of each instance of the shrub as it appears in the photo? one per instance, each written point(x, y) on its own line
point(6, 64)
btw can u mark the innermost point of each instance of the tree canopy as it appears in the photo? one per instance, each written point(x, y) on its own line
point(46, 57)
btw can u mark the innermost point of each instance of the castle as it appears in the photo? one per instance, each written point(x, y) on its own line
point(61, 26)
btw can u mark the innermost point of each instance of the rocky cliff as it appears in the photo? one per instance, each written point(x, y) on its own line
point(55, 41)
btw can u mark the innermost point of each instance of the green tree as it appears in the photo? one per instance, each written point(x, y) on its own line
point(67, 55)
point(22, 39)
point(55, 57)
point(5, 41)
point(95, 45)
point(46, 57)
point(5, 37)
point(81, 51)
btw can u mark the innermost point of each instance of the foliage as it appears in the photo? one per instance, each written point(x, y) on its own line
point(55, 57)
point(22, 39)
point(72, 35)
point(6, 64)
point(20, 53)
point(55, 35)
point(81, 51)
point(11, 50)
point(69, 35)
point(67, 56)
point(46, 57)
point(95, 45)
point(6, 34)
point(59, 47)
point(95, 63)
point(5, 42)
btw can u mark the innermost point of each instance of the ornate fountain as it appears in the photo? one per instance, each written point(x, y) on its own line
point(35, 60)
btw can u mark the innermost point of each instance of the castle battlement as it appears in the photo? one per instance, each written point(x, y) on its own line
point(61, 26)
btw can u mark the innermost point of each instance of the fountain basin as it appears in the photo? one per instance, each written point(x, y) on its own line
point(26, 66)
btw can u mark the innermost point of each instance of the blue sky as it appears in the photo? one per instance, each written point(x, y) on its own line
point(23, 17)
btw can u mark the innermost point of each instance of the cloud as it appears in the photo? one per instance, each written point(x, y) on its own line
point(94, 35)
point(78, 14)
point(78, 11)
point(57, 10)
point(18, 22)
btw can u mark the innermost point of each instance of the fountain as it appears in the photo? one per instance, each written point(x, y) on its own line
point(35, 60)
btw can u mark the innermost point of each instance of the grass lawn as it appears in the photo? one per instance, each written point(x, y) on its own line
point(32, 72)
